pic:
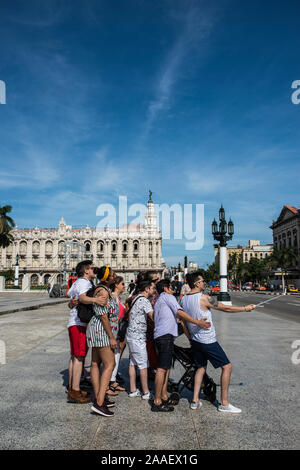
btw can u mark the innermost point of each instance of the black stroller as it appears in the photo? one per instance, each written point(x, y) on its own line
point(185, 357)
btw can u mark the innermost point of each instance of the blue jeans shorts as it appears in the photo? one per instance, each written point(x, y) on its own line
point(209, 352)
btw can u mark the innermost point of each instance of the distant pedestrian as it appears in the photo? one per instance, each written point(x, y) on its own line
point(204, 342)
point(131, 286)
point(176, 286)
point(185, 289)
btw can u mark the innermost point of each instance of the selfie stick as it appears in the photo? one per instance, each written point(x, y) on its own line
point(265, 301)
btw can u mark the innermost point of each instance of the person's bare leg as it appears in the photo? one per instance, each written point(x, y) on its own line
point(108, 360)
point(76, 375)
point(164, 392)
point(159, 383)
point(225, 381)
point(144, 380)
point(95, 371)
point(197, 383)
point(70, 371)
point(132, 378)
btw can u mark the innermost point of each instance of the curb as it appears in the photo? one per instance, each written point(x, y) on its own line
point(33, 307)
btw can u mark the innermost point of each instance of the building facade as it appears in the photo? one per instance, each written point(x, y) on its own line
point(51, 254)
point(286, 234)
point(253, 250)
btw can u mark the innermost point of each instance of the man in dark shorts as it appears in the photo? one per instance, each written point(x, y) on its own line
point(204, 343)
point(166, 311)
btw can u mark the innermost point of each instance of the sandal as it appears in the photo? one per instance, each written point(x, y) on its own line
point(111, 392)
point(173, 400)
point(116, 388)
point(162, 407)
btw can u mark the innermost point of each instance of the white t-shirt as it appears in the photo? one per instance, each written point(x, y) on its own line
point(191, 305)
point(79, 287)
point(137, 326)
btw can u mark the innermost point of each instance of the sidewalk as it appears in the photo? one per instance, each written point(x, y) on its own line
point(34, 413)
point(11, 302)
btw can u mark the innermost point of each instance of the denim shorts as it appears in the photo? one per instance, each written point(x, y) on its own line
point(164, 348)
point(209, 352)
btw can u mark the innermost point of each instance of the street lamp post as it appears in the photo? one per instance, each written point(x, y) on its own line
point(16, 282)
point(220, 234)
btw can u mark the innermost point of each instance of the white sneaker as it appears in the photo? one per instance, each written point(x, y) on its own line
point(195, 404)
point(229, 409)
point(137, 393)
point(146, 396)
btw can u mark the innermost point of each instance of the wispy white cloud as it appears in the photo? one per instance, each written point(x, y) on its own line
point(34, 171)
point(196, 25)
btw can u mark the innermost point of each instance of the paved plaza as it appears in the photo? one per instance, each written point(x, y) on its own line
point(34, 413)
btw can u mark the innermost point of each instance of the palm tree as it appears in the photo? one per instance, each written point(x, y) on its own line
point(284, 259)
point(6, 225)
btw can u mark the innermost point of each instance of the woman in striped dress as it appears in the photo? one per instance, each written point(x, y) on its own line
point(101, 337)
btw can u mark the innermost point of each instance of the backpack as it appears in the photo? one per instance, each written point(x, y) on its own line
point(85, 312)
point(177, 287)
point(124, 322)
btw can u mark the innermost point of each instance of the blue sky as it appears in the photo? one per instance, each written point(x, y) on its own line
point(191, 99)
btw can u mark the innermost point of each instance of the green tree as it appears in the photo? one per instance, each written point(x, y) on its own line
point(284, 259)
point(213, 272)
point(6, 226)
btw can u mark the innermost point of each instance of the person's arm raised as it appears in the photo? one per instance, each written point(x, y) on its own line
point(212, 303)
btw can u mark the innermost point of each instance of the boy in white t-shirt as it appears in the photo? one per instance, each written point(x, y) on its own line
point(77, 329)
point(140, 309)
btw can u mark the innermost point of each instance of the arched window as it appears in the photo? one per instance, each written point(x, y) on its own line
point(34, 280)
point(113, 246)
point(100, 246)
point(87, 246)
point(36, 248)
point(61, 247)
point(23, 248)
point(124, 243)
point(135, 245)
point(48, 247)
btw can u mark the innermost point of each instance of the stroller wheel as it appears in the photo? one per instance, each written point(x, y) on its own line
point(174, 397)
point(172, 388)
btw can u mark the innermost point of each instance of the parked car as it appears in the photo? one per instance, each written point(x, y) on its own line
point(247, 286)
point(292, 288)
point(260, 288)
point(215, 288)
point(235, 287)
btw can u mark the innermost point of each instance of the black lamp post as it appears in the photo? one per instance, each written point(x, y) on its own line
point(222, 233)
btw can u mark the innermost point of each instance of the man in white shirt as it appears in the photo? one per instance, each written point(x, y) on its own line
point(204, 342)
point(77, 329)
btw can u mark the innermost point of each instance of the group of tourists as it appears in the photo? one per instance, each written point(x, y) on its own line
point(150, 317)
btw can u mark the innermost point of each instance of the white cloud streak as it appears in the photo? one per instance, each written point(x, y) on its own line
point(196, 27)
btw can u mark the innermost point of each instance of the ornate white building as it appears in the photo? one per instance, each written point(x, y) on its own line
point(50, 254)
